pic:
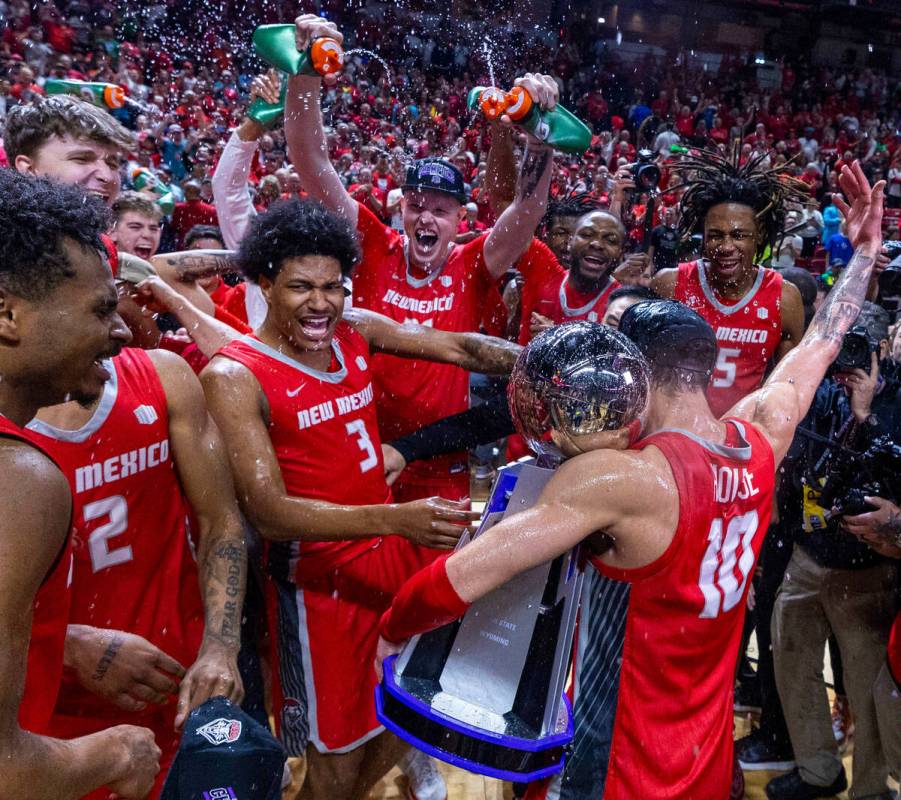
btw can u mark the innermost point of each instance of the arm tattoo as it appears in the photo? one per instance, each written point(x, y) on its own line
point(489, 355)
point(843, 304)
point(534, 166)
point(109, 655)
point(194, 264)
point(225, 574)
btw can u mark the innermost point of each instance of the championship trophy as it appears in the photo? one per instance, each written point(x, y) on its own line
point(486, 692)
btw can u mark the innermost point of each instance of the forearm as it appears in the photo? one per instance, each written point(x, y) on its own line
point(191, 265)
point(209, 334)
point(223, 576)
point(487, 354)
point(230, 195)
point(500, 174)
point(485, 423)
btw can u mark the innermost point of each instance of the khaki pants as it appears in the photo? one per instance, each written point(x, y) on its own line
point(858, 607)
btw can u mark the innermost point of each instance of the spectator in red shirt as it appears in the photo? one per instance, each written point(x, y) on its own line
point(193, 211)
point(469, 227)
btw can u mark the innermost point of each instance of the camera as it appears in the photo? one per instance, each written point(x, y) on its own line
point(856, 353)
point(645, 172)
point(875, 473)
point(890, 279)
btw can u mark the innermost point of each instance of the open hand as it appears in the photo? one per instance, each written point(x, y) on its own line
point(863, 209)
point(267, 87)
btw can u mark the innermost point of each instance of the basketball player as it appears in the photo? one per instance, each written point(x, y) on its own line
point(153, 632)
point(689, 554)
point(295, 404)
point(421, 276)
point(757, 317)
point(58, 323)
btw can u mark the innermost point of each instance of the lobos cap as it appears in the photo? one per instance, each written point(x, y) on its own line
point(436, 175)
point(670, 334)
point(225, 755)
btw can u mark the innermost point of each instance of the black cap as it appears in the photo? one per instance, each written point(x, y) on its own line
point(670, 334)
point(436, 175)
point(225, 755)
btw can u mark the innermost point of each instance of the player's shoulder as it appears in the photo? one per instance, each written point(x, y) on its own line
point(664, 282)
point(24, 465)
point(640, 471)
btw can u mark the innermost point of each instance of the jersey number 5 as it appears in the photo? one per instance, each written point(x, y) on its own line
point(721, 589)
point(115, 509)
point(724, 374)
point(358, 428)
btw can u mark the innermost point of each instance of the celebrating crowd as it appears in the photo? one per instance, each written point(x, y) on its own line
point(236, 359)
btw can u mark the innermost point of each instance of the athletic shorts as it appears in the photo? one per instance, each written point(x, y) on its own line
point(327, 631)
point(413, 487)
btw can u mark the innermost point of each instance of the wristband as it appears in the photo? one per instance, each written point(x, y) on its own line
point(425, 602)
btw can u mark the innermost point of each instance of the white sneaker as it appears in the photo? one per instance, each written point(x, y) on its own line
point(426, 783)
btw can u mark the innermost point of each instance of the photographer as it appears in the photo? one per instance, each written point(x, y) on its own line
point(835, 583)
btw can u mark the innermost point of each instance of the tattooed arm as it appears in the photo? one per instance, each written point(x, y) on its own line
point(471, 351)
point(191, 265)
point(785, 398)
point(202, 464)
point(515, 227)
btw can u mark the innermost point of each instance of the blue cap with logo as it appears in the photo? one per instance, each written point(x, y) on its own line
point(225, 755)
point(437, 175)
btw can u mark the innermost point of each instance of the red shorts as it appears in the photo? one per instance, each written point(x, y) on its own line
point(161, 720)
point(325, 648)
point(414, 487)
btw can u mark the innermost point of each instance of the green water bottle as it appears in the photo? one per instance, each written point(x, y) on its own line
point(559, 127)
point(104, 95)
point(276, 45)
point(143, 179)
point(269, 114)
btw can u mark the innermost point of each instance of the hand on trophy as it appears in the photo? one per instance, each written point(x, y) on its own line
point(383, 650)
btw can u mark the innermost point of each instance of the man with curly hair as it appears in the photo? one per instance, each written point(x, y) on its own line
point(58, 322)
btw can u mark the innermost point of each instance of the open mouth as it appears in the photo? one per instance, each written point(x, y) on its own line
point(144, 252)
point(426, 240)
point(315, 327)
point(595, 263)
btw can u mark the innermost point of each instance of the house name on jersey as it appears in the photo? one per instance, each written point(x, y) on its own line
point(115, 468)
point(323, 412)
point(741, 335)
point(732, 483)
point(432, 306)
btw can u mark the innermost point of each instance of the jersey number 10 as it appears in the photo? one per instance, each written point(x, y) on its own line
point(718, 583)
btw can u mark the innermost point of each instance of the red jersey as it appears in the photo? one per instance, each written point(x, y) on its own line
point(325, 435)
point(747, 332)
point(672, 734)
point(411, 393)
point(561, 302)
point(134, 566)
point(49, 621)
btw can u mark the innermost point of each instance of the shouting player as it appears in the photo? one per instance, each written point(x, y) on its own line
point(689, 555)
point(58, 323)
point(147, 621)
point(295, 403)
point(422, 276)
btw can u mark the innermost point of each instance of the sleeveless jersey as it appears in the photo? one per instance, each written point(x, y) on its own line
point(672, 734)
point(134, 565)
point(50, 619)
point(324, 431)
point(561, 302)
point(411, 393)
point(747, 333)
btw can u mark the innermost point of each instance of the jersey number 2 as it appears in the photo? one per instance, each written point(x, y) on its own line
point(358, 428)
point(115, 509)
point(721, 589)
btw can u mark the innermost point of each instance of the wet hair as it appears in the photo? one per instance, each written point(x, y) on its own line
point(203, 232)
point(29, 127)
point(575, 206)
point(710, 179)
point(36, 216)
point(138, 203)
point(641, 292)
point(294, 229)
point(679, 344)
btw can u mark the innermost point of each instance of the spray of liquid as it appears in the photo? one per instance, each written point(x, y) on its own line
point(364, 52)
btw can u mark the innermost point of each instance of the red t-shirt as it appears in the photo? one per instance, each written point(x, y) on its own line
point(190, 213)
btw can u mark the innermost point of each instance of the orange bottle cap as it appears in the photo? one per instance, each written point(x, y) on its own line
point(114, 96)
point(493, 102)
point(326, 55)
point(519, 103)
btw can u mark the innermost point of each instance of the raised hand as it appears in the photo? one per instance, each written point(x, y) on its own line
point(309, 27)
point(864, 206)
point(267, 87)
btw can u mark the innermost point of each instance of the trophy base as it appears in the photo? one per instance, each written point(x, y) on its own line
point(497, 755)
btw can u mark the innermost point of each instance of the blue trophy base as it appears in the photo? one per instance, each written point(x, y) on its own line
point(506, 756)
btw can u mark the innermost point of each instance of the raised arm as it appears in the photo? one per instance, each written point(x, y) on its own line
point(471, 351)
point(515, 227)
point(221, 554)
point(785, 398)
point(34, 519)
point(307, 146)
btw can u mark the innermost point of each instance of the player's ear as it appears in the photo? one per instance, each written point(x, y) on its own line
point(266, 288)
point(24, 164)
point(9, 327)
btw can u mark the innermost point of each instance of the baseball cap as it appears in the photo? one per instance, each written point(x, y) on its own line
point(225, 755)
point(436, 175)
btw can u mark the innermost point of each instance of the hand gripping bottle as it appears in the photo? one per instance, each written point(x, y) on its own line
point(143, 179)
point(276, 46)
point(558, 127)
point(105, 95)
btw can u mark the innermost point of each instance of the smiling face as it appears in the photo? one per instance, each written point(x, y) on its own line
point(79, 162)
point(595, 250)
point(306, 302)
point(430, 223)
point(558, 236)
point(138, 234)
point(731, 238)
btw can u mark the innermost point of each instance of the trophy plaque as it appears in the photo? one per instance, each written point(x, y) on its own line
point(486, 693)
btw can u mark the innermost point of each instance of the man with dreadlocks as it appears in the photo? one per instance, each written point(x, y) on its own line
point(740, 210)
